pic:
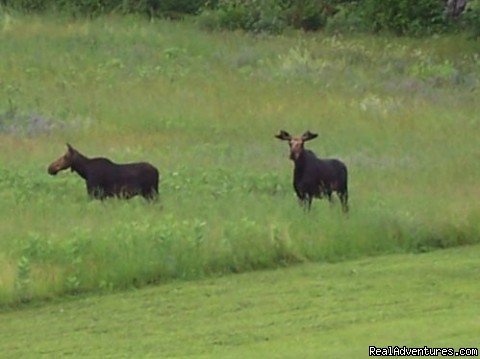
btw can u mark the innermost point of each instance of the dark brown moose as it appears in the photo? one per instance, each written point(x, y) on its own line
point(107, 179)
point(315, 177)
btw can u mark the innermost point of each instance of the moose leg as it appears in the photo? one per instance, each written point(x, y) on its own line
point(328, 192)
point(308, 202)
point(150, 194)
point(344, 200)
point(303, 203)
point(300, 197)
point(95, 191)
point(304, 200)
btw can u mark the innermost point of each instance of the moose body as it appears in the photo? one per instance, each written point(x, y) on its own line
point(314, 177)
point(105, 178)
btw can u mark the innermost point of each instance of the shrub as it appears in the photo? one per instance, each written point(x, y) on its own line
point(309, 15)
point(87, 7)
point(404, 16)
point(268, 15)
point(169, 8)
point(471, 19)
point(347, 18)
point(208, 20)
point(251, 15)
point(26, 5)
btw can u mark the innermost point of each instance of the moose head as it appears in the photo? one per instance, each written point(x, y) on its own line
point(63, 162)
point(296, 143)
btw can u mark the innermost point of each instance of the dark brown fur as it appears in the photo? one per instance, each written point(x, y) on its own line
point(107, 179)
point(315, 177)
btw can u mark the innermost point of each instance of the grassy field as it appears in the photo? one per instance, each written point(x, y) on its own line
point(203, 107)
point(311, 310)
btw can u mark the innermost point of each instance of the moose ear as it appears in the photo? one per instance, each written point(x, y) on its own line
point(307, 136)
point(284, 135)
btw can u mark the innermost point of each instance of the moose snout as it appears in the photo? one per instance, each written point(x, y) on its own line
point(51, 171)
point(293, 156)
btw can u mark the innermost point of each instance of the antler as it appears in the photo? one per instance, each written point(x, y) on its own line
point(309, 136)
point(284, 135)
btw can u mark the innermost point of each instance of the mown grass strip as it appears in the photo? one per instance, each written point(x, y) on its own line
point(310, 310)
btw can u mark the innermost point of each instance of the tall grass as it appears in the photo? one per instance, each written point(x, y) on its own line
point(204, 107)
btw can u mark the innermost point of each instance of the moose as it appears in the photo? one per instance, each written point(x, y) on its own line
point(107, 179)
point(315, 177)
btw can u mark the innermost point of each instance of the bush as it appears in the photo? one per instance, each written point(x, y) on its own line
point(308, 14)
point(270, 16)
point(346, 19)
point(27, 5)
point(251, 15)
point(404, 17)
point(471, 19)
point(87, 7)
point(169, 8)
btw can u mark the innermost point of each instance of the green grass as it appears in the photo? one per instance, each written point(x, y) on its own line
point(203, 107)
point(310, 310)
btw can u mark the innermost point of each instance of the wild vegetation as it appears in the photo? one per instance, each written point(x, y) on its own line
point(204, 108)
point(401, 17)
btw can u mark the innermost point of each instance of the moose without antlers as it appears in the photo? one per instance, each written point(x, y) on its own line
point(107, 179)
point(315, 177)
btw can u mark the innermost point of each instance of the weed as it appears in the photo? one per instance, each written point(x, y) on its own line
point(203, 108)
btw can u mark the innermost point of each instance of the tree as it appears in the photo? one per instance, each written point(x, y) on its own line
point(455, 7)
